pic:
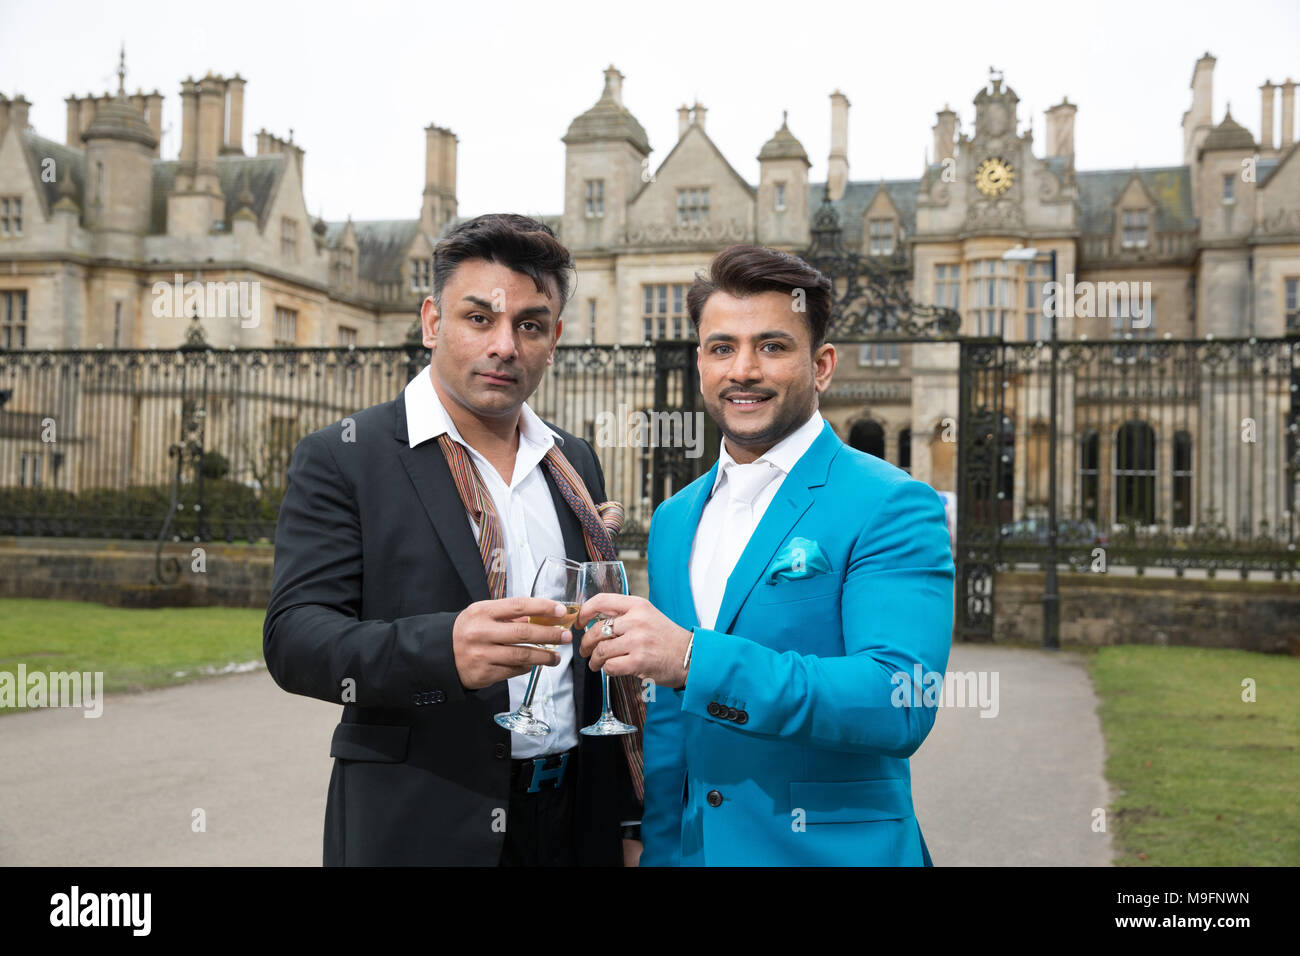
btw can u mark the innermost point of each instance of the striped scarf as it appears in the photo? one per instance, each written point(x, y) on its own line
point(599, 524)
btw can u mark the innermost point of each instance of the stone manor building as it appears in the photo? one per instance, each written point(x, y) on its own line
point(89, 225)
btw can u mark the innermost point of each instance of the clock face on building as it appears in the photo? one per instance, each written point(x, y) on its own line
point(994, 176)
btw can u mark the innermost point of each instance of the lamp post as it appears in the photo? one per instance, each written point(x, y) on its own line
point(1051, 594)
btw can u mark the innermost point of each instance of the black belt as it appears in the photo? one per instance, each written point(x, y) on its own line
point(554, 771)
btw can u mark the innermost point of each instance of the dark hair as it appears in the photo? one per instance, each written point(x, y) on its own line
point(748, 270)
point(517, 242)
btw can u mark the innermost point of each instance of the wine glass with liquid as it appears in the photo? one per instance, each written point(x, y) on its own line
point(558, 580)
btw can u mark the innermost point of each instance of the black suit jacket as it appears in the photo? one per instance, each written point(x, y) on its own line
point(374, 558)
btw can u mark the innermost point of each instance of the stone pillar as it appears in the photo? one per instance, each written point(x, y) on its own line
point(1288, 114)
point(1266, 115)
point(838, 167)
point(235, 124)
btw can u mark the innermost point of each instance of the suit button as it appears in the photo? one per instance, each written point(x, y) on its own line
point(741, 716)
point(714, 798)
point(500, 751)
point(415, 698)
point(437, 697)
point(731, 713)
point(713, 708)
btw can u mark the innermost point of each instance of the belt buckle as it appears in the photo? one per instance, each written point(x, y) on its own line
point(542, 773)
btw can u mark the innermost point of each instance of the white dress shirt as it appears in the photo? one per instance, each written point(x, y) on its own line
point(725, 526)
point(530, 531)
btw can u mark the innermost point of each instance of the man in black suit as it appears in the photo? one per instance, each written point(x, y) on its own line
point(382, 598)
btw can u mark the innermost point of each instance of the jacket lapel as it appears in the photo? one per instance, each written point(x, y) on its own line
point(793, 498)
point(433, 483)
point(682, 568)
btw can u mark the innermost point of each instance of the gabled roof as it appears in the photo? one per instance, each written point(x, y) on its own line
point(695, 128)
point(1170, 187)
point(381, 245)
point(67, 162)
point(852, 206)
point(261, 174)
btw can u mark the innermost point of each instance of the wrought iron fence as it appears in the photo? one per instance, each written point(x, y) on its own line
point(194, 443)
point(1178, 454)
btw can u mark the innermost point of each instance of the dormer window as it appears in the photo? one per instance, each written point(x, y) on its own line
point(422, 275)
point(1229, 185)
point(1135, 228)
point(882, 237)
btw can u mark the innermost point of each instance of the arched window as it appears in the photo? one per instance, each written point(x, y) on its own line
point(869, 436)
point(1182, 480)
point(905, 450)
point(1135, 473)
point(1090, 476)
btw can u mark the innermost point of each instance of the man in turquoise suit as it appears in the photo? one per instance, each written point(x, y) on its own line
point(801, 597)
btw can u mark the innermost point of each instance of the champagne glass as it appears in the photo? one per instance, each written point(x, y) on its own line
point(604, 577)
point(558, 580)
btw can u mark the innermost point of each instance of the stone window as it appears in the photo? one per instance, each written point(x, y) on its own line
point(882, 237)
point(29, 475)
point(595, 199)
point(1293, 305)
point(347, 336)
point(1135, 228)
point(1135, 473)
point(692, 205)
point(289, 239)
point(13, 319)
point(947, 285)
point(1035, 275)
point(656, 313)
point(1182, 475)
point(421, 275)
point(286, 327)
point(780, 197)
point(11, 216)
point(992, 294)
point(878, 354)
point(1229, 187)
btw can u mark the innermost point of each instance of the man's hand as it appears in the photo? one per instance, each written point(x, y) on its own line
point(490, 638)
point(644, 643)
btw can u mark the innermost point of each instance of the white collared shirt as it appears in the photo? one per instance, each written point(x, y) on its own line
point(781, 458)
point(530, 530)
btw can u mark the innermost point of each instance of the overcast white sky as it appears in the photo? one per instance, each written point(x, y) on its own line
point(357, 83)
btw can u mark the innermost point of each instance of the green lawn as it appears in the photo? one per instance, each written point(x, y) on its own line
point(135, 649)
point(1201, 778)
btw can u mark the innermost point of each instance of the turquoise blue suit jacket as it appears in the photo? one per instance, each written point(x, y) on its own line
point(789, 744)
